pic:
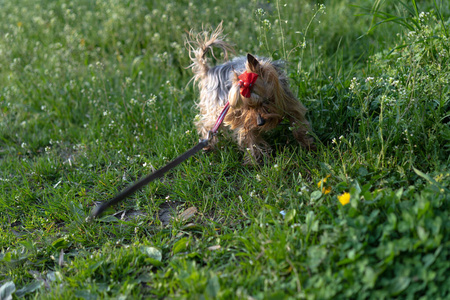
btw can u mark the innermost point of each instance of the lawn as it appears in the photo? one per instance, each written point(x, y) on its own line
point(96, 94)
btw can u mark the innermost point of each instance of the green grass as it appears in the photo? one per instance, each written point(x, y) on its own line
point(95, 94)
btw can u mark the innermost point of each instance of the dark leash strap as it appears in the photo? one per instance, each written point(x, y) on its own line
point(149, 178)
point(98, 210)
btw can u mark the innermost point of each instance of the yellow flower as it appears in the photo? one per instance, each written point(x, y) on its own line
point(344, 198)
point(321, 184)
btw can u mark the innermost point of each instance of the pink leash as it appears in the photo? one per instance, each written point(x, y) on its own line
point(221, 118)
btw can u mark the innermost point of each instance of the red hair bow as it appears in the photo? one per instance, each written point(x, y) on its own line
point(246, 81)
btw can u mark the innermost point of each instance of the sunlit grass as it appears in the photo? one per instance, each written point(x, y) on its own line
point(94, 95)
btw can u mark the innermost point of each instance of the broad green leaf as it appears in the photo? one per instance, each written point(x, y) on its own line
point(428, 260)
point(311, 221)
point(60, 243)
point(421, 232)
point(29, 288)
point(152, 252)
point(399, 193)
point(290, 216)
point(7, 257)
point(316, 195)
point(180, 246)
point(369, 277)
point(399, 284)
point(6, 290)
point(154, 255)
point(363, 171)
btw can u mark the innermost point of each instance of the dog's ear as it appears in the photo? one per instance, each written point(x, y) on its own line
point(253, 63)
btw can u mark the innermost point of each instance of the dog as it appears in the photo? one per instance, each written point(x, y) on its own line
point(256, 90)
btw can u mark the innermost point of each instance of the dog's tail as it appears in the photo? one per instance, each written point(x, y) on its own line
point(199, 44)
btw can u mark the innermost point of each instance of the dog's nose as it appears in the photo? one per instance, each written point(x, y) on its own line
point(260, 120)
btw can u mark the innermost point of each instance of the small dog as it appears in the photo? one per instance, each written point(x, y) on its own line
point(257, 91)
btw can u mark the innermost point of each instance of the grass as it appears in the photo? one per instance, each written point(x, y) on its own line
point(94, 95)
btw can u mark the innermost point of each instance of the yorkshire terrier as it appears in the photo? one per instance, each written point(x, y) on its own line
point(257, 90)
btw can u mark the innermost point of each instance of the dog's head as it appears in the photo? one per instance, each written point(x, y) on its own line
point(265, 95)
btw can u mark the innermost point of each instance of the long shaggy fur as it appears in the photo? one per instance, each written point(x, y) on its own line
point(270, 102)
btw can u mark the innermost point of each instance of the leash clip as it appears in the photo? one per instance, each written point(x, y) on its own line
point(211, 135)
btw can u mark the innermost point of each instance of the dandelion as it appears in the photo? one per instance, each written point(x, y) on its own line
point(344, 198)
point(321, 185)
